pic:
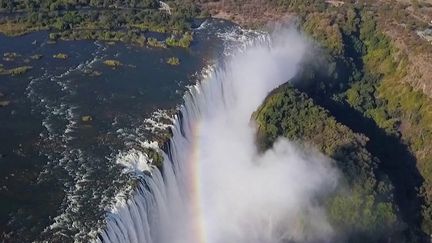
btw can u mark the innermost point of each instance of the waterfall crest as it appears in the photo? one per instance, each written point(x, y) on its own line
point(215, 186)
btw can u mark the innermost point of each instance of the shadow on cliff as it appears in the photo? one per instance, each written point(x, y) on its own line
point(397, 162)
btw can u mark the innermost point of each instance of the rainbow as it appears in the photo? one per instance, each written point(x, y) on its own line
point(192, 124)
point(171, 205)
point(196, 189)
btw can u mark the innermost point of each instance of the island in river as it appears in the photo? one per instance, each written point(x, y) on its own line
point(137, 22)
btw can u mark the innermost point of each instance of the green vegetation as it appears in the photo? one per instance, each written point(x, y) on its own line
point(153, 42)
point(393, 105)
point(330, 37)
point(60, 56)
point(368, 77)
point(15, 71)
point(112, 63)
point(367, 210)
point(173, 61)
point(108, 20)
point(133, 37)
point(154, 156)
point(366, 85)
point(185, 41)
point(364, 213)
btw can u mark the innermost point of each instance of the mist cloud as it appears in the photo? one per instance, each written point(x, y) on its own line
point(244, 196)
point(252, 197)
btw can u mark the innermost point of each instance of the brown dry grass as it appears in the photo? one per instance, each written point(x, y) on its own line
point(13, 29)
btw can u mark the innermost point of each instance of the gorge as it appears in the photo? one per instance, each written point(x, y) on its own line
point(214, 185)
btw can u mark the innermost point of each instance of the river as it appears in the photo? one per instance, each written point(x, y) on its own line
point(58, 172)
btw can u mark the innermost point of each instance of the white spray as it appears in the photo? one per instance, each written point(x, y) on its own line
point(216, 187)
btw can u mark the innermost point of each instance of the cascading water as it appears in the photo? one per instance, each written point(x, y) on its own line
point(215, 186)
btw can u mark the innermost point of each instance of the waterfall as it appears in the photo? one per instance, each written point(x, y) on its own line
point(214, 185)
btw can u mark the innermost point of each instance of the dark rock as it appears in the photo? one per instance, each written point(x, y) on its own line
point(36, 56)
point(4, 103)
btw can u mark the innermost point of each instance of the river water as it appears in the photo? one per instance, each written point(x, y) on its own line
point(58, 173)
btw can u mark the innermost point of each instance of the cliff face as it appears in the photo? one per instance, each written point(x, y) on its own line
point(379, 68)
point(400, 20)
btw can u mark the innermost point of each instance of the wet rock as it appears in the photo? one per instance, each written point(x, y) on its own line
point(4, 103)
point(86, 118)
point(95, 74)
point(12, 55)
point(53, 36)
point(92, 73)
point(36, 57)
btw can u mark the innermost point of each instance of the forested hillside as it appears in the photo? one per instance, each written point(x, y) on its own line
point(366, 210)
point(372, 79)
point(125, 21)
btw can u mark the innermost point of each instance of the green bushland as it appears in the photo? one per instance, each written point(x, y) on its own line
point(154, 156)
point(366, 211)
point(112, 63)
point(15, 71)
point(107, 20)
point(130, 36)
point(153, 42)
point(60, 56)
point(395, 106)
point(173, 61)
point(360, 68)
point(185, 41)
